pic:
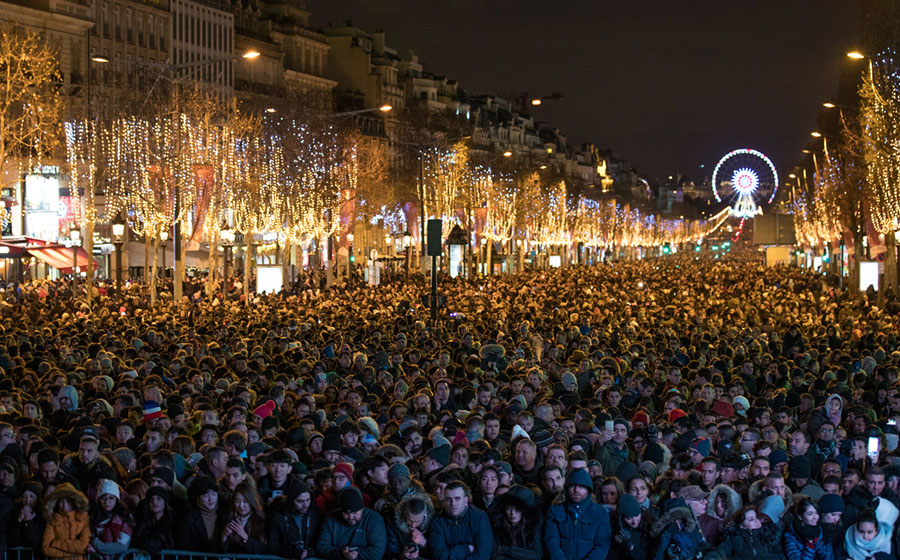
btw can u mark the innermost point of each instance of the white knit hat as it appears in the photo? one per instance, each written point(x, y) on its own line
point(108, 487)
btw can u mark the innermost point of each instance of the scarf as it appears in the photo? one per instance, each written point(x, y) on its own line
point(859, 549)
point(804, 531)
point(824, 449)
point(209, 521)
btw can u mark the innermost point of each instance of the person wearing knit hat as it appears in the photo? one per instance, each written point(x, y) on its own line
point(578, 528)
point(627, 507)
point(264, 410)
point(741, 405)
point(723, 409)
point(640, 418)
point(699, 449)
point(398, 471)
point(569, 382)
point(353, 531)
point(342, 475)
point(152, 411)
point(437, 458)
point(676, 414)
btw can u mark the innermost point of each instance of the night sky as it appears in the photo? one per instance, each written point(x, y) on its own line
point(666, 85)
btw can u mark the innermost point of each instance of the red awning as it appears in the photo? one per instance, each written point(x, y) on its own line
point(60, 257)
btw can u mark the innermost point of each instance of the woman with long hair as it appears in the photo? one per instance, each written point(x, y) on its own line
point(154, 522)
point(245, 531)
point(518, 526)
point(111, 525)
point(803, 537)
point(750, 532)
point(27, 527)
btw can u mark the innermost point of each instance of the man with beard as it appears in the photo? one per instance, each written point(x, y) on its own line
point(578, 529)
point(294, 524)
point(399, 486)
point(552, 482)
point(412, 441)
point(354, 532)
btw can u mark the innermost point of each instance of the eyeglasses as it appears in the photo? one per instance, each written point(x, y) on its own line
point(827, 430)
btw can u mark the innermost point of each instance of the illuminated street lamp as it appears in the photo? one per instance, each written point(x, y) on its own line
point(164, 241)
point(75, 237)
point(815, 134)
point(227, 235)
point(118, 239)
point(407, 246)
point(856, 55)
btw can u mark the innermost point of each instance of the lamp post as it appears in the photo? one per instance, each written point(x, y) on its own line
point(407, 246)
point(118, 239)
point(164, 242)
point(227, 235)
point(75, 237)
point(349, 253)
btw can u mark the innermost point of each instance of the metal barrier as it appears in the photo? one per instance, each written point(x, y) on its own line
point(23, 553)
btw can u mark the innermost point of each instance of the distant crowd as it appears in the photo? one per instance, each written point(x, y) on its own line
point(661, 409)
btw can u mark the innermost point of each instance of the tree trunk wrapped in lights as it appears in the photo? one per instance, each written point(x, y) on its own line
point(30, 104)
point(880, 127)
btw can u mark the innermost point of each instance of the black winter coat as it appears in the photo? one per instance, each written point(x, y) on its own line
point(190, 534)
point(763, 544)
point(288, 540)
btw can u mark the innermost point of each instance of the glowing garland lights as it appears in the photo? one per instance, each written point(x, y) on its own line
point(880, 121)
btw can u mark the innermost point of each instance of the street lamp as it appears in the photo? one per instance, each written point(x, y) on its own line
point(118, 239)
point(227, 235)
point(856, 55)
point(164, 241)
point(407, 246)
point(815, 134)
point(75, 237)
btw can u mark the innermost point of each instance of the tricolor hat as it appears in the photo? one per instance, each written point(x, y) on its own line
point(152, 411)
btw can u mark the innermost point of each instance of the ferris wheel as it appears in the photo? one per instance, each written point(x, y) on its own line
point(745, 177)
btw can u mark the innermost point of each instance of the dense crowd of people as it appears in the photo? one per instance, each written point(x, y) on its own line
point(665, 409)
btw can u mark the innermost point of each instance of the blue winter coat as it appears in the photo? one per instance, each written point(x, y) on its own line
point(449, 537)
point(798, 548)
point(577, 533)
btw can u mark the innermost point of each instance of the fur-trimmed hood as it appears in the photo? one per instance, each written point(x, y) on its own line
point(756, 494)
point(65, 490)
point(680, 513)
point(732, 501)
point(400, 511)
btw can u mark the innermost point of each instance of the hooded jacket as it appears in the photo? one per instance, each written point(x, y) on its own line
point(763, 543)
point(677, 533)
point(526, 545)
point(67, 535)
point(757, 493)
point(398, 532)
point(732, 502)
point(72, 393)
point(577, 531)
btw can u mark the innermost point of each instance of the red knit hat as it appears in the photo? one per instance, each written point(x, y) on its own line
point(676, 414)
point(344, 468)
point(724, 409)
point(640, 417)
point(265, 409)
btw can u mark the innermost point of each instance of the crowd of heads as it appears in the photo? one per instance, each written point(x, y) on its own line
point(678, 406)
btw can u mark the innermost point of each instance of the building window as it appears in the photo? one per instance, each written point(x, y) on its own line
point(162, 37)
point(118, 23)
point(106, 19)
point(140, 29)
point(129, 26)
point(151, 31)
